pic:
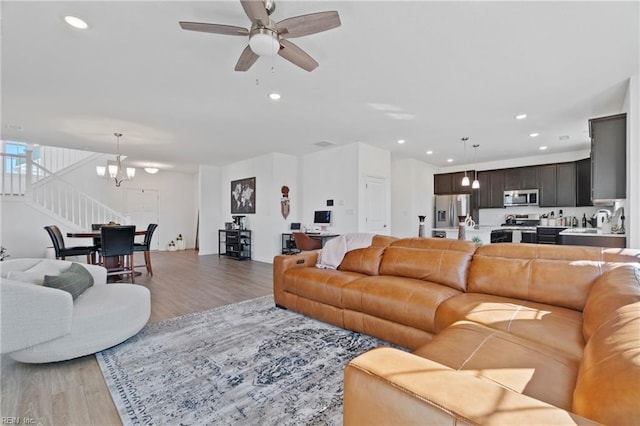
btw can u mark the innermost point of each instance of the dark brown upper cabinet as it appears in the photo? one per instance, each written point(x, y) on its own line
point(451, 183)
point(608, 158)
point(521, 178)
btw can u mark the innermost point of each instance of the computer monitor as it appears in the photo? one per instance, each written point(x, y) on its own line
point(322, 217)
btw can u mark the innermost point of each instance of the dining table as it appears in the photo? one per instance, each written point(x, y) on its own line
point(110, 262)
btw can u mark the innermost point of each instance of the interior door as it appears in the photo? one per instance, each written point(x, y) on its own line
point(376, 205)
point(143, 206)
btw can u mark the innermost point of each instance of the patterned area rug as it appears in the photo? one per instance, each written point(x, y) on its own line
point(247, 363)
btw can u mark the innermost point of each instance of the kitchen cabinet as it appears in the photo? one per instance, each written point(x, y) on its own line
point(451, 183)
point(608, 157)
point(549, 234)
point(583, 183)
point(521, 178)
point(491, 192)
point(557, 185)
point(566, 184)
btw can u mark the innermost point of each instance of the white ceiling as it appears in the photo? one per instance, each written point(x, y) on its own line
point(426, 72)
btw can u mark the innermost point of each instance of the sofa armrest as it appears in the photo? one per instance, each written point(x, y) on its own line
point(389, 386)
point(98, 272)
point(32, 314)
point(283, 263)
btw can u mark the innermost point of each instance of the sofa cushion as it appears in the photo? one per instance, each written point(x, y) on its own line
point(364, 261)
point(515, 363)
point(321, 285)
point(553, 326)
point(34, 273)
point(405, 301)
point(608, 386)
point(556, 275)
point(616, 287)
point(75, 280)
point(429, 260)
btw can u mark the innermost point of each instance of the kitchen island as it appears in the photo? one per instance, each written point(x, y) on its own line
point(591, 237)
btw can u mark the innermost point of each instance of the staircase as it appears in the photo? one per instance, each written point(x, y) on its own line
point(46, 189)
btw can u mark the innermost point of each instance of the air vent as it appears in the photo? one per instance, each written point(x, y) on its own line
point(324, 144)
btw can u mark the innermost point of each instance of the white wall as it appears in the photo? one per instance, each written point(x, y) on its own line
point(632, 209)
point(411, 196)
point(332, 174)
point(271, 171)
point(210, 212)
point(521, 162)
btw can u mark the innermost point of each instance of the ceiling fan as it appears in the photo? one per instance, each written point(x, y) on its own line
point(267, 37)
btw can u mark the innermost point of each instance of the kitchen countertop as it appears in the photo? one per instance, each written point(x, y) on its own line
point(586, 232)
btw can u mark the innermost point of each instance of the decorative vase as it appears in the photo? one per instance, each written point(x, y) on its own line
point(172, 246)
point(179, 242)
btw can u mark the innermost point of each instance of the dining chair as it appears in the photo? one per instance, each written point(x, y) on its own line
point(116, 249)
point(63, 251)
point(305, 242)
point(145, 247)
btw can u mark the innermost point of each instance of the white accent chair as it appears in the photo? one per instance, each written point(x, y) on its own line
point(41, 324)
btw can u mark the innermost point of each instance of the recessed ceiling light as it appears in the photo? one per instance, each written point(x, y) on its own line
point(542, 148)
point(534, 135)
point(76, 22)
point(521, 116)
point(429, 152)
point(449, 160)
point(274, 96)
point(564, 137)
point(151, 170)
point(401, 141)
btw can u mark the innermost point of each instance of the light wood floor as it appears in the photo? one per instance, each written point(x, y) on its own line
point(74, 392)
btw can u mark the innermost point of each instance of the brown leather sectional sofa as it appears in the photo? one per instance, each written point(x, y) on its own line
point(500, 334)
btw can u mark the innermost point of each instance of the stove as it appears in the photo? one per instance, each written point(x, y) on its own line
point(521, 222)
point(517, 228)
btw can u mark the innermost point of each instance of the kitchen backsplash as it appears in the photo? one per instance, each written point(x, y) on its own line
point(497, 216)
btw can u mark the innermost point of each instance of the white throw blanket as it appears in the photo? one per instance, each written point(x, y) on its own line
point(334, 250)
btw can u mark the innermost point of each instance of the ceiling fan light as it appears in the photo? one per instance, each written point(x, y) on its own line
point(264, 42)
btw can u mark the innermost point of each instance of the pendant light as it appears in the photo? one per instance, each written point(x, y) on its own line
point(476, 183)
point(465, 179)
point(115, 169)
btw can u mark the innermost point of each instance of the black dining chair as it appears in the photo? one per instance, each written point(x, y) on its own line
point(116, 249)
point(62, 251)
point(145, 247)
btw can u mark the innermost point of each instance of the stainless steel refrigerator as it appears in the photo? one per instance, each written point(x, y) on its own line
point(449, 207)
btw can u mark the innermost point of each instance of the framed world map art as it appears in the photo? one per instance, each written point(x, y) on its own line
point(243, 196)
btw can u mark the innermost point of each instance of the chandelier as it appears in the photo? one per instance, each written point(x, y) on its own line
point(116, 171)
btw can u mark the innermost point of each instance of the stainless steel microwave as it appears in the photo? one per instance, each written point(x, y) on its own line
point(522, 197)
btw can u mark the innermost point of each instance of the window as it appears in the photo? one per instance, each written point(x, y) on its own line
point(15, 161)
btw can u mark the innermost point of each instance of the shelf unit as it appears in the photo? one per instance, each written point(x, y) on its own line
point(234, 243)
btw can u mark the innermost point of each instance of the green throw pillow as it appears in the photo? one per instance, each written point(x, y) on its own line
point(75, 280)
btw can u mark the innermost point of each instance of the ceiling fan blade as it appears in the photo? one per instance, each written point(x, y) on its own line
point(297, 56)
point(256, 11)
point(312, 23)
point(214, 28)
point(247, 58)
